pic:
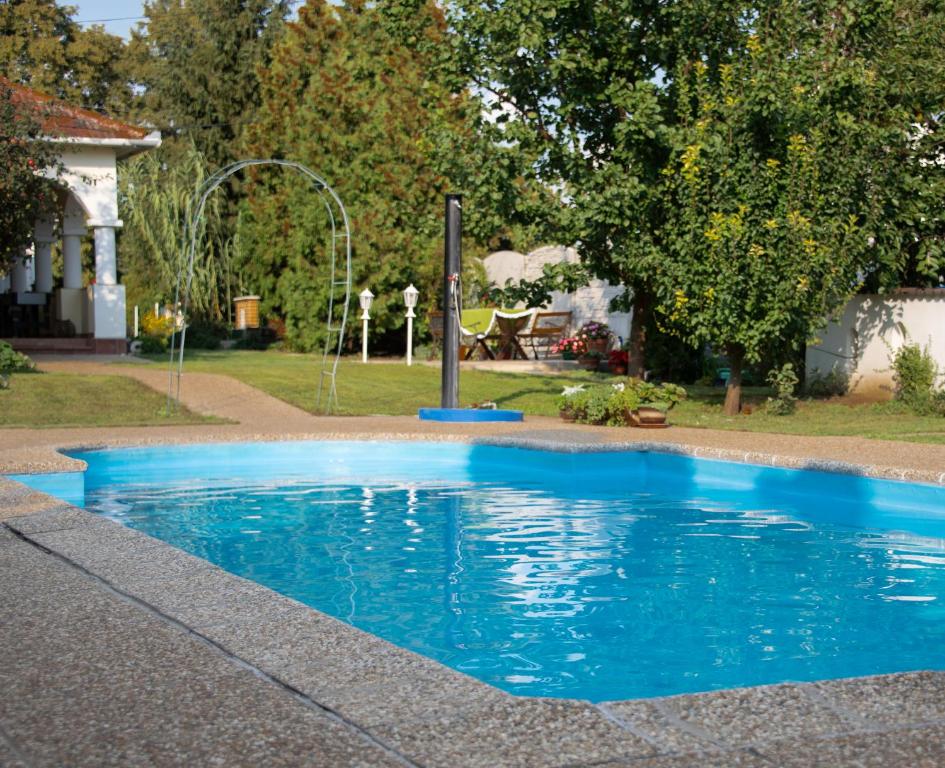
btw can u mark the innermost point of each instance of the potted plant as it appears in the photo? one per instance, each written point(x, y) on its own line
point(590, 360)
point(570, 402)
point(570, 348)
point(618, 359)
point(596, 336)
point(655, 401)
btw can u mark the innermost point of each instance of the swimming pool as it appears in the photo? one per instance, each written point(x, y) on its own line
point(610, 575)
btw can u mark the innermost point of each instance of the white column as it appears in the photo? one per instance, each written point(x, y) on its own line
point(20, 277)
point(43, 236)
point(71, 261)
point(106, 264)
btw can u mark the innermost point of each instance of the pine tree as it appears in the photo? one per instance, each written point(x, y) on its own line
point(198, 62)
point(347, 98)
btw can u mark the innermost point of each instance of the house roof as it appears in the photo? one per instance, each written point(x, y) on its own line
point(60, 120)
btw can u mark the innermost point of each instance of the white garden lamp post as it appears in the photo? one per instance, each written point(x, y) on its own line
point(410, 299)
point(365, 297)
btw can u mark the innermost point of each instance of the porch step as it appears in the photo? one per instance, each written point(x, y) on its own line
point(78, 345)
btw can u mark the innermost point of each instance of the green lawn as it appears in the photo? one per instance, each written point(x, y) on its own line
point(71, 400)
point(382, 388)
point(392, 388)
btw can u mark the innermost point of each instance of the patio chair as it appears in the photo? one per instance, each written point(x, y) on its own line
point(548, 328)
point(469, 339)
point(509, 325)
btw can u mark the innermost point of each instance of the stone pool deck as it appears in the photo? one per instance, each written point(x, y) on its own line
point(121, 650)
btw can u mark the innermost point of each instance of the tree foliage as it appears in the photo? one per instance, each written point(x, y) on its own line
point(156, 203)
point(739, 166)
point(41, 46)
point(345, 97)
point(198, 64)
point(25, 192)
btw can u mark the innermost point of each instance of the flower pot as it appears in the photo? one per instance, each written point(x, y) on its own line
point(568, 355)
point(618, 370)
point(589, 363)
point(567, 415)
point(648, 418)
point(597, 345)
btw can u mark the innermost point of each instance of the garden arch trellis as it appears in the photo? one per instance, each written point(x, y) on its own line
point(340, 233)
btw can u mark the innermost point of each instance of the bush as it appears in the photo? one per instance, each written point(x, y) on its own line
point(609, 403)
point(784, 381)
point(153, 345)
point(202, 335)
point(832, 384)
point(915, 374)
point(12, 361)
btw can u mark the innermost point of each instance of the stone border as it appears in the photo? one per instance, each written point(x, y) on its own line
point(428, 714)
point(547, 440)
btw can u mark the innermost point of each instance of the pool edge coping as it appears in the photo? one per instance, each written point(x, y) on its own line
point(700, 723)
point(58, 462)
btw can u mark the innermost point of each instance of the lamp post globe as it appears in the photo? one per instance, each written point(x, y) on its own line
point(410, 300)
point(365, 298)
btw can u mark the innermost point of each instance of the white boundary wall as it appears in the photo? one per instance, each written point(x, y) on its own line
point(872, 327)
point(586, 304)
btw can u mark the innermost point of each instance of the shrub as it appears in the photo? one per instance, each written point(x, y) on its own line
point(784, 381)
point(914, 373)
point(831, 384)
point(609, 403)
point(202, 335)
point(12, 361)
point(153, 345)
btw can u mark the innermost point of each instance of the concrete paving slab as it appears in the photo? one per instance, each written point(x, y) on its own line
point(741, 717)
point(889, 700)
point(137, 691)
point(741, 758)
point(921, 748)
point(57, 518)
point(524, 732)
point(666, 732)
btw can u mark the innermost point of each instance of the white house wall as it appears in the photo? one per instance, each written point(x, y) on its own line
point(586, 304)
point(91, 174)
point(862, 342)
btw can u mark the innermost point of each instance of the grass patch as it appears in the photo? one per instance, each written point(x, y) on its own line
point(394, 389)
point(73, 400)
point(383, 388)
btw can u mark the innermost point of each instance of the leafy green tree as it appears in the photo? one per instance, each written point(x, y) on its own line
point(773, 181)
point(584, 91)
point(155, 202)
point(656, 124)
point(25, 192)
point(41, 46)
point(198, 64)
point(347, 98)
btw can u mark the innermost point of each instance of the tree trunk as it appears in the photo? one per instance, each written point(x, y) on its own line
point(636, 345)
point(733, 392)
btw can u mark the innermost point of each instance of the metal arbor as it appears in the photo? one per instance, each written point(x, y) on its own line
point(340, 232)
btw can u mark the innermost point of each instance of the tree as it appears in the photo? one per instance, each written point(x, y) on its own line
point(41, 46)
point(347, 98)
point(25, 191)
point(197, 63)
point(778, 179)
point(656, 122)
point(584, 90)
point(155, 202)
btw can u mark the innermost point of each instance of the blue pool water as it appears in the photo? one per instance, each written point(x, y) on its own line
point(599, 576)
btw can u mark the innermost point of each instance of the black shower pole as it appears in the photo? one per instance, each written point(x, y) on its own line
point(452, 255)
